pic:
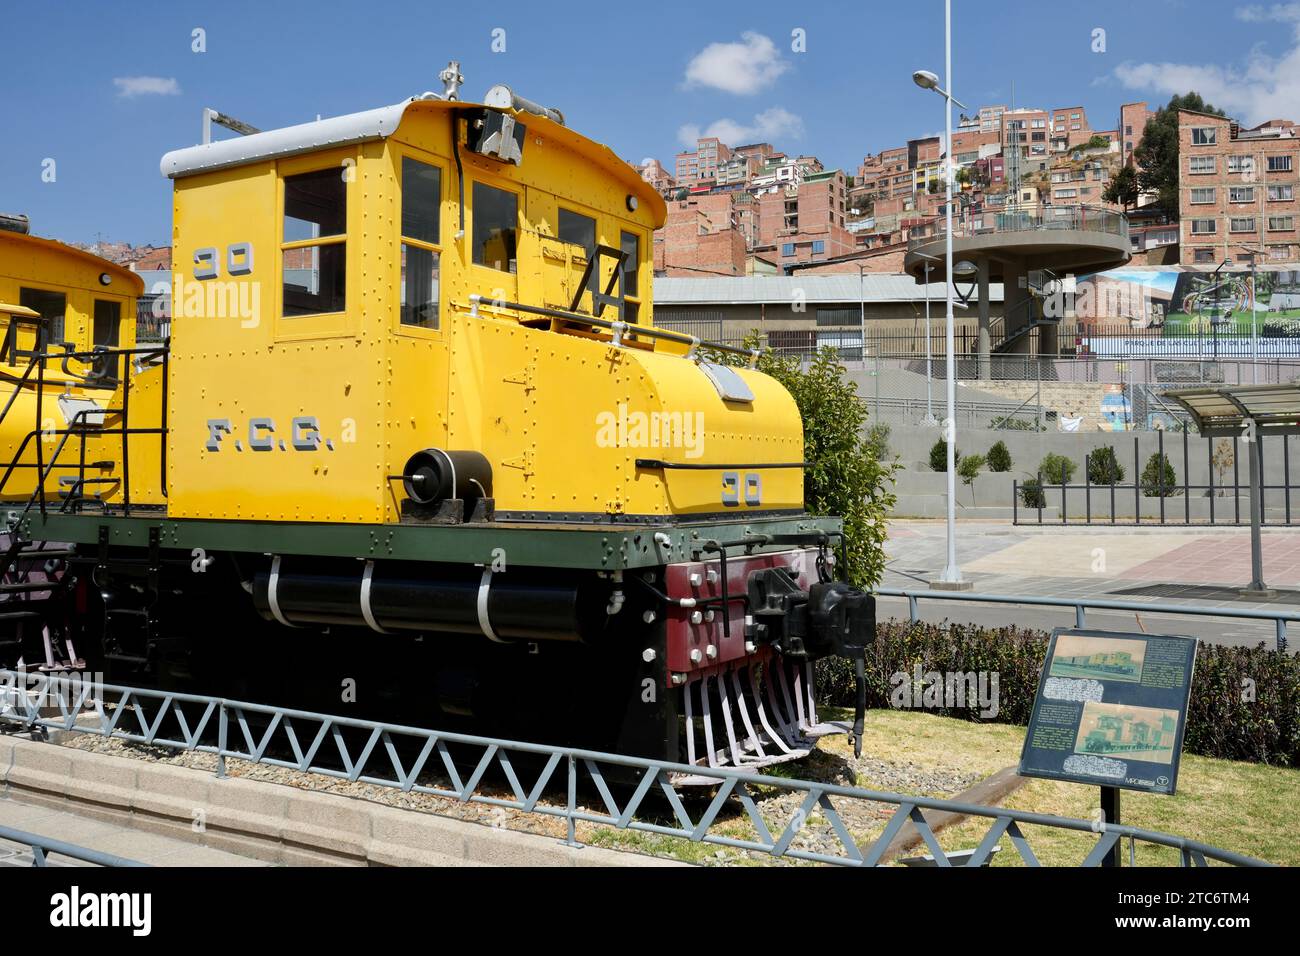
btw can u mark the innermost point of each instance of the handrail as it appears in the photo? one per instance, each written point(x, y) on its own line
point(42, 845)
point(990, 221)
point(373, 756)
point(618, 328)
point(1081, 606)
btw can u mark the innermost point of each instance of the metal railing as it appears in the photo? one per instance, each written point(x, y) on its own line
point(42, 846)
point(1165, 502)
point(405, 758)
point(1081, 606)
point(1083, 218)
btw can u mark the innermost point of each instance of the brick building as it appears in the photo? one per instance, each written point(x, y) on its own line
point(1237, 190)
point(1133, 119)
point(702, 236)
point(806, 222)
point(653, 172)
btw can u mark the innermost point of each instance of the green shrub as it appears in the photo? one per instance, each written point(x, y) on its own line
point(1104, 468)
point(846, 477)
point(1031, 494)
point(970, 467)
point(1159, 478)
point(1056, 469)
point(999, 457)
point(1244, 702)
point(878, 441)
point(939, 456)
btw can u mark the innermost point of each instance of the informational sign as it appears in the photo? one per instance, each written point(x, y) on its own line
point(1111, 710)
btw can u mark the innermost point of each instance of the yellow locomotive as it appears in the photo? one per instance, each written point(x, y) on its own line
point(415, 430)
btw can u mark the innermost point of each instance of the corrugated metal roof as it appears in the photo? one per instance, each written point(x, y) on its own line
point(743, 290)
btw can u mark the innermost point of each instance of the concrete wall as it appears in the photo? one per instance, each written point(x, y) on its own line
point(1073, 399)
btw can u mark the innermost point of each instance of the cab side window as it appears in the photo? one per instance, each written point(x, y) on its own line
point(107, 322)
point(421, 250)
point(313, 247)
point(496, 225)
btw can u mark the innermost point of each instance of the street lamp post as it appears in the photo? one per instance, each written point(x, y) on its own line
point(951, 577)
point(929, 392)
point(862, 319)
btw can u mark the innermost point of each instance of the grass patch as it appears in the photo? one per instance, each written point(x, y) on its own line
point(1244, 807)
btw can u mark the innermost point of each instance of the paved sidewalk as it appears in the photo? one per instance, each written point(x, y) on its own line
point(1174, 567)
point(115, 838)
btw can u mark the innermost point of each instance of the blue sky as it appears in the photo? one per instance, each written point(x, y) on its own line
point(104, 89)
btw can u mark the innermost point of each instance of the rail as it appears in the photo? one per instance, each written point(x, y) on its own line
point(42, 847)
point(403, 757)
point(1166, 502)
point(1080, 606)
point(990, 222)
point(620, 329)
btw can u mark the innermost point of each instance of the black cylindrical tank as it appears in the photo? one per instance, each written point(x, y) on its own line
point(527, 604)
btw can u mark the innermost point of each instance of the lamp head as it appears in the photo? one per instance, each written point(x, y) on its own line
point(926, 80)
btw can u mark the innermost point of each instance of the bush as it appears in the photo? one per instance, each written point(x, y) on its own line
point(846, 477)
point(939, 456)
point(1056, 469)
point(878, 441)
point(999, 457)
point(1243, 703)
point(1104, 468)
point(1031, 494)
point(1159, 478)
point(970, 467)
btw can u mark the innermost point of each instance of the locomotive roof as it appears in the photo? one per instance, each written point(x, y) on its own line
point(381, 123)
point(53, 246)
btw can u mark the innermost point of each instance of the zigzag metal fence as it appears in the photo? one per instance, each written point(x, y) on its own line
point(407, 758)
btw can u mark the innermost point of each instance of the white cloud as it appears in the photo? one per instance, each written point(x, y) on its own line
point(744, 68)
point(132, 86)
point(768, 126)
point(1278, 12)
point(1261, 87)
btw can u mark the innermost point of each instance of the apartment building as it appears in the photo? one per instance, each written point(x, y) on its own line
point(1237, 190)
point(808, 222)
point(702, 236)
point(653, 172)
point(1133, 119)
point(970, 146)
point(701, 164)
point(1069, 129)
point(1025, 131)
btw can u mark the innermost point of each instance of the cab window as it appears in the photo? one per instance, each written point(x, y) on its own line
point(496, 223)
point(579, 230)
point(313, 250)
point(421, 244)
point(107, 322)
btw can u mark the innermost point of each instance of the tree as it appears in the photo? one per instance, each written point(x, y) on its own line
point(1157, 155)
point(1123, 190)
point(1097, 142)
point(939, 456)
point(847, 476)
point(1104, 468)
point(1057, 469)
point(999, 457)
point(1159, 480)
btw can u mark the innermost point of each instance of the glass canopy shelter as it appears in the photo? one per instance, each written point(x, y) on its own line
point(1248, 412)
